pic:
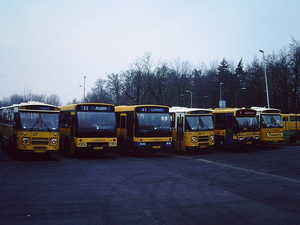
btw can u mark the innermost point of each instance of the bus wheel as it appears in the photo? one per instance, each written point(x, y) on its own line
point(220, 144)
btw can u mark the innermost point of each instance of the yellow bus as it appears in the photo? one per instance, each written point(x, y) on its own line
point(88, 128)
point(270, 125)
point(144, 128)
point(30, 127)
point(291, 122)
point(192, 128)
point(291, 126)
point(235, 127)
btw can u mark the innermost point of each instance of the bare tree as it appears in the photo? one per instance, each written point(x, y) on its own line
point(53, 100)
point(115, 87)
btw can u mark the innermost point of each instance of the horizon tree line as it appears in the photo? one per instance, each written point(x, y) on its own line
point(178, 83)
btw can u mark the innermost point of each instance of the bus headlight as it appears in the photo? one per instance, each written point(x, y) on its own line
point(212, 138)
point(168, 143)
point(54, 141)
point(267, 134)
point(194, 139)
point(25, 141)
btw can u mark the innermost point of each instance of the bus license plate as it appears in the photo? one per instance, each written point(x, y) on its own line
point(39, 151)
point(97, 148)
point(249, 143)
point(155, 146)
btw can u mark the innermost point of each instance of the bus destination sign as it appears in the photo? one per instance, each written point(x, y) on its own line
point(245, 112)
point(152, 110)
point(37, 107)
point(95, 108)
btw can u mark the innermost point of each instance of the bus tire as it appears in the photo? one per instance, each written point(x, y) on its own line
point(220, 144)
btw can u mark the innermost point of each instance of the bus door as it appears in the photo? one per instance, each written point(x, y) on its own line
point(122, 126)
point(179, 136)
point(131, 125)
point(229, 120)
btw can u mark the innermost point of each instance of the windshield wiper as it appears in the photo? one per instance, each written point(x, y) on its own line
point(42, 122)
point(202, 124)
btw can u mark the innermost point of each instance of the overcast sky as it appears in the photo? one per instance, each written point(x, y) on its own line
point(48, 47)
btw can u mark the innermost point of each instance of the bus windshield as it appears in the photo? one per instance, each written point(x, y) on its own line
point(96, 124)
point(198, 123)
point(247, 123)
point(153, 124)
point(33, 121)
point(271, 121)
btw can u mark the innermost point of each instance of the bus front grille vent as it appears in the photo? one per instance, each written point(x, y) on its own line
point(40, 141)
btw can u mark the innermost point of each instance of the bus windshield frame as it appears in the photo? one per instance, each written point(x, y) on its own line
point(95, 124)
point(246, 124)
point(199, 123)
point(271, 121)
point(39, 121)
point(153, 125)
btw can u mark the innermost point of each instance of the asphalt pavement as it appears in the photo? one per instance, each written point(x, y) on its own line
point(252, 186)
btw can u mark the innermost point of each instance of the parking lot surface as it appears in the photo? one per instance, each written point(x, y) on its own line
point(212, 186)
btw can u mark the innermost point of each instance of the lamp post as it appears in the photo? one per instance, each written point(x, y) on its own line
point(191, 97)
point(221, 91)
point(266, 79)
point(236, 94)
point(83, 88)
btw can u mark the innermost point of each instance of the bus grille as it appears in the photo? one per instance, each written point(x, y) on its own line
point(40, 141)
point(203, 138)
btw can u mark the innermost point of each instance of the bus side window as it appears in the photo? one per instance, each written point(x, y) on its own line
point(219, 121)
point(64, 119)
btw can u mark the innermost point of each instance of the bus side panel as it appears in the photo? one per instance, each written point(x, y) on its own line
point(7, 137)
point(66, 144)
point(179, 144)
point(229, 131)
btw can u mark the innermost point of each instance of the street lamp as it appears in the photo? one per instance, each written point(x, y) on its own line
point(236, 94)
point(221, 91)
point(83, 88)
point(266, 79)
point(191, 97)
